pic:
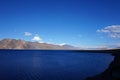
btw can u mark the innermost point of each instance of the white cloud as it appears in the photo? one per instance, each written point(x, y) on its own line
point(115, 35)
point(27, 33)
point(103, 31)
point(113, 31)
point(37, 38)
point(62, 44)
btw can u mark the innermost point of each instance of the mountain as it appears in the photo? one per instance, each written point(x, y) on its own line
point(21, 44)
point(69, 46)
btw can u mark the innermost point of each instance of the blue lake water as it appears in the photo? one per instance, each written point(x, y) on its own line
point(51, 64)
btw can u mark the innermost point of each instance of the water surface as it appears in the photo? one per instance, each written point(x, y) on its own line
point(51, 65)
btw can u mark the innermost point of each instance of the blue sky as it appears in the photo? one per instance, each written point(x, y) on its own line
point(86, 23)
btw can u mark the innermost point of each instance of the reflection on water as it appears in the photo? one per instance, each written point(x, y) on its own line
point(51, 65)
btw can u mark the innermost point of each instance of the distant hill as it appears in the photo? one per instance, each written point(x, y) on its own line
point(69, 47)
point(21, 44)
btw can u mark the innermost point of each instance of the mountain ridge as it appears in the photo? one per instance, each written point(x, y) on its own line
point(22, 44)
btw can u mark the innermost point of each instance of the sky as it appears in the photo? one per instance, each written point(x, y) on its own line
point(83, 23)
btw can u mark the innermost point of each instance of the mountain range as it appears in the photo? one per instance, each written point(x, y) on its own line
point(21, 44)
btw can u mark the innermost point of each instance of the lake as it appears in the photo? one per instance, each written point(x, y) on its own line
point(51, 64)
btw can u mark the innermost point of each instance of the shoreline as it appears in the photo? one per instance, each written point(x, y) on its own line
point(113, 52)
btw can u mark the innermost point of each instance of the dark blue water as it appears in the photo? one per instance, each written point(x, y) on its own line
point(51, 65)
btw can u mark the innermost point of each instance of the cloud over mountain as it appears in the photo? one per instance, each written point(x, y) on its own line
point(37, 38)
